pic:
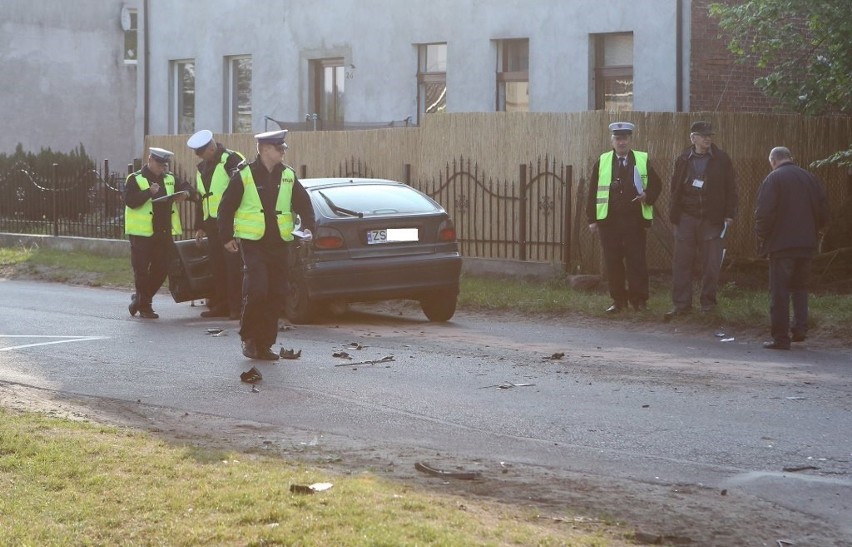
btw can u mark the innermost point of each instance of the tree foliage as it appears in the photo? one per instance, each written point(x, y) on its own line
point(805, 46)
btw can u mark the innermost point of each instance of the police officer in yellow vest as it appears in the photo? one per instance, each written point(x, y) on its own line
point(212, 176)
point(256, 218)
point(151, 219)
point(622, 190)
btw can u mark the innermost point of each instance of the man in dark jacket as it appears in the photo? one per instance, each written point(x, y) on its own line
point(703, 206)
point(151, 220)
point(214, 172)
point(257, 217)
point(622, 191)
point(791, 210)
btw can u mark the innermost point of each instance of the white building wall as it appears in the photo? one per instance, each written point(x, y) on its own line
point(64, 79)
point(378, 38)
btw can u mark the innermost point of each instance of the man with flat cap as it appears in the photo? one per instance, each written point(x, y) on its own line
point(212, 176)
point(257, 217)
point(622, 191)
point(151, 219)
point(703, 207)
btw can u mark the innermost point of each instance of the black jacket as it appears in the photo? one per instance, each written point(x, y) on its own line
point(719, 193)
point(791, 210)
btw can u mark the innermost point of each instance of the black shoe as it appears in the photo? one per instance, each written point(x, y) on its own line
point(797, 337)
point(148, 314)
point(133, 308)
point(615, 308)
point(248, 349)
point(775, 344)
point(215, 312)
point(266, 355)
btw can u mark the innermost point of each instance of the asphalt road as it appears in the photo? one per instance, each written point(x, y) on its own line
point(638, 407)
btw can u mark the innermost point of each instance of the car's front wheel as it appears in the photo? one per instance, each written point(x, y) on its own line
point(439, 306)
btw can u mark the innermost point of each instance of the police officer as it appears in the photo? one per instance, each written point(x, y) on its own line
point(623, 189)
point(151, 218)
point(257, 217)
point(212, 176)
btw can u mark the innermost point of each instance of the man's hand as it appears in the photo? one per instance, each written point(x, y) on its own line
point(308, 235)
point(199, 235)
point(640, 197)
point(232, 246)
point(154, 188)
point(593, 227)
point(729, 221)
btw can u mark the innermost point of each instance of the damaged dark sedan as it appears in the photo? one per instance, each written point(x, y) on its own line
point(374, 240)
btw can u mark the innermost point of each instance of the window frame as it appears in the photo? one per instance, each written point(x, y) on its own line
point(131, 28)
point(176, 101)
point(605, 73)
point(426, 77)
point(232, 112)
point(504, 75)
point(318, 95)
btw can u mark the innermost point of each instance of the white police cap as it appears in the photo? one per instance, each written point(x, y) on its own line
point(621, 128)
point(200, 139)
point(160, 154)
point(272, 137)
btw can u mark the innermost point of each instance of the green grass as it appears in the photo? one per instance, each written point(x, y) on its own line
point(65, 267)
point(66, 482)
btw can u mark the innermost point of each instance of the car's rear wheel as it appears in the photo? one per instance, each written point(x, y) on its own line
point(439, 306)
point(298, 306)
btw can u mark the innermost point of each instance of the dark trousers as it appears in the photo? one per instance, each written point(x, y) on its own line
point(788, 281)
point(227, 270)
point(693, 238)
point(264, 289)
point(623, 246)
point(150, 257)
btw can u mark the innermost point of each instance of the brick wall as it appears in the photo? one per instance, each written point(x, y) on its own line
point(717, 81)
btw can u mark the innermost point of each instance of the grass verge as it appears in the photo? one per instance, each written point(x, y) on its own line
point(65, 482)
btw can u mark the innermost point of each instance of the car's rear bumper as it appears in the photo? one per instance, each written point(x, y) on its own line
point(383, 278)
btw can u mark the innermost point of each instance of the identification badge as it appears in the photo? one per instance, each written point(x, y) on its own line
point(698, 183)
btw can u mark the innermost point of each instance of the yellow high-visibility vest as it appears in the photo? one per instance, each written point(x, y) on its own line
point(211, 198)
point(140, 221)
point(605, 179)
point(249, 222)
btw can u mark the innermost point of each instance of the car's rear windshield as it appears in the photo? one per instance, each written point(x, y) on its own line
point(373, 199)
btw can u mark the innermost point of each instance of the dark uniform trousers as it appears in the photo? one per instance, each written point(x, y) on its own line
point(149, 256)
point(226, 270)
point(264, 290)
point(623, 243)
point(788, 280)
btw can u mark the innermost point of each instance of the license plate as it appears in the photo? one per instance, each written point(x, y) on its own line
point(392, 235)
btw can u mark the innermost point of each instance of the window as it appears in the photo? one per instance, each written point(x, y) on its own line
point(327, 96)
point(130, 24)
point(183, 97)
point(238, 95)
point(513, 75)
point(613, 62)
point(431, 78)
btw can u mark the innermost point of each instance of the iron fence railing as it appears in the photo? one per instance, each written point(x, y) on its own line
point(88, 204)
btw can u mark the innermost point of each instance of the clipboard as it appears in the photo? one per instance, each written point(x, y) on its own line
point(168, 197)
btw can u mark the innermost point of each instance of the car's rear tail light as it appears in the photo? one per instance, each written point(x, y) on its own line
point(447, 231)
point(328, 238)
